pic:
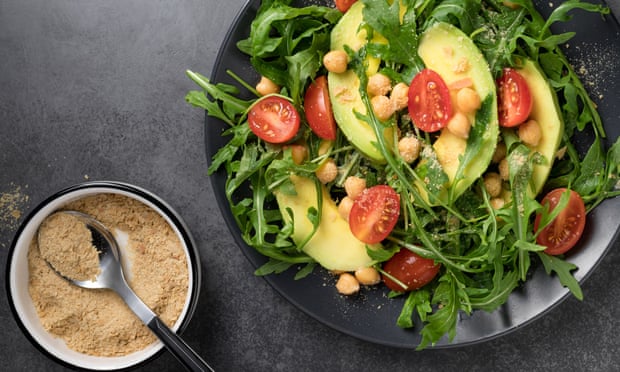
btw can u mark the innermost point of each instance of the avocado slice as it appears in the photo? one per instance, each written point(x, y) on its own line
point(344, 87)
point(333, 245)
point(454, 56)
point(546, 111)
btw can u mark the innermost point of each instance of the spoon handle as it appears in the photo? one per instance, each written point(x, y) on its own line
point(177, 347)
point(190, 359)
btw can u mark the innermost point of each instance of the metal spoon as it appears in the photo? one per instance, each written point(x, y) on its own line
point(112, 277)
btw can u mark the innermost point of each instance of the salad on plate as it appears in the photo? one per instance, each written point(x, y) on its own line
point(424, 146)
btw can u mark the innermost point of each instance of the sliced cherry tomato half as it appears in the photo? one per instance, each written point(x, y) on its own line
point(318, 109)
point(274, 119)
point(430, 106)
point(411, 269)
point(344, 5)
point(565, 230)
point(514, 97)
point(374, 214)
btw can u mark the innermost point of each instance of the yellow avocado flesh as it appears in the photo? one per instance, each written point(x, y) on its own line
point(448, 51)
point(546, 112)
point(333, 245)
point(344, 87)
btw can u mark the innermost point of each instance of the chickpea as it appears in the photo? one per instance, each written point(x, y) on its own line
point(327, 172)
point(382, 107)
point(299, 152)
point(354, 186)
point(504, 169)
point(367, 276)
point(530, 132)
point(347, 284)
point(400, 96)
point(265, 86)
point(379, 85)
point(500, 152)
point(344, 208)
point(493, 184)
point(467, 100)
point(497, 203)
point(459, 125)
point(336, 61)
point(409, 148)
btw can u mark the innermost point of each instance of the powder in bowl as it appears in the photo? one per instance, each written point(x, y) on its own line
point(97, 322)
point(67, 244)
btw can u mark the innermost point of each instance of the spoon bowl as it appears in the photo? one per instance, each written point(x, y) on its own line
point(107, 249)
point(111, 276)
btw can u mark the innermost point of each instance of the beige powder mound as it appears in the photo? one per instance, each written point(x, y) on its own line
point(67, 244)
point(97, 322)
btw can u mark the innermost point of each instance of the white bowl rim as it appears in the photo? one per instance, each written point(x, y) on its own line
point(21, 304)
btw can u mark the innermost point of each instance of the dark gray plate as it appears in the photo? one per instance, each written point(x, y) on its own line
point(371, 316)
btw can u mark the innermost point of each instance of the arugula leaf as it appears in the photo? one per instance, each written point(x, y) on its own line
point(286, 44)
point(272, 267)
point(225, 153)
point(560, 14)
point(224, 94)
point(563, 269)
point(402, 38)
point(381, 255)
point(503, 286)
point(497, 34)
point(520, 165)
point(253, 159)
point(452, 298)
point(609, 185)
point(461, 13)
point(416, 301)
point(592, 175)
point(431, 172)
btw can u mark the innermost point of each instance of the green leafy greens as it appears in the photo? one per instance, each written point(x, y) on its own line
point(485, 253)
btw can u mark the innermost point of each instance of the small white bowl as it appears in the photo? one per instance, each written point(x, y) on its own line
point(17, 276)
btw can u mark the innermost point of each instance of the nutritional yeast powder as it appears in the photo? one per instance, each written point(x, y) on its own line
point(67, 244)
point(97, 322)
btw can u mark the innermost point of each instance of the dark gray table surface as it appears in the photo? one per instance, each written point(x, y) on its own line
point(94, 90)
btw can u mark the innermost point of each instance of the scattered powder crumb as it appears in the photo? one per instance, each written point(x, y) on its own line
point(97, 322)
point(67, 244)
point(594, 63)
point(12, 202)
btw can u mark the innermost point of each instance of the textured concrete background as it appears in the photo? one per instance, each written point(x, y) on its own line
point(94, 90)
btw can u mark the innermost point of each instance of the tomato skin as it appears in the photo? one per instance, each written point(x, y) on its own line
point(514, 97)
point(562, 233)
point(318, 109)
point(430, 105)
point(274, 119)
point(374, 214)
point(411, 269)
point(344, 5)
